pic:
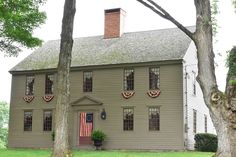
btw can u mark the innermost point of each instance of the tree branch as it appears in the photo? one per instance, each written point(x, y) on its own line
point(9, 48)
point(164, 14)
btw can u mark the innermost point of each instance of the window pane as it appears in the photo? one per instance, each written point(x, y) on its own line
point(28, 121)
point(128, 119)
point(154, 82)
point(205, 117)
point(194, 121)
point(29, 85)
point(129, 79)
point(88, 81)
point(194, 83)
point(47, 121)
point(154, 118)
point(49, 84)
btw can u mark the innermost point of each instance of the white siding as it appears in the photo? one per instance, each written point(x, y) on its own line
point(193, 102)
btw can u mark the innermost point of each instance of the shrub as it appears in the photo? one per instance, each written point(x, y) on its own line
point(205, 142)
point(3, 137)
point(98, 135)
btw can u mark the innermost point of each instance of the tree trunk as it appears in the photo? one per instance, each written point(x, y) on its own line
point(224, 119)
point(222, 134)
point(217, 102)
point(61, 145)
point(222, 107)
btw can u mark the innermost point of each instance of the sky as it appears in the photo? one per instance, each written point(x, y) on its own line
point(89, 21)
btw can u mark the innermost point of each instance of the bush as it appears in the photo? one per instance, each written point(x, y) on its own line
point(205, 142)
point(98, 135)
point(3, 137)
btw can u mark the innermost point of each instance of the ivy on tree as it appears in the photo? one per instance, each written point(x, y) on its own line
point(18, 19)
point(231, 63)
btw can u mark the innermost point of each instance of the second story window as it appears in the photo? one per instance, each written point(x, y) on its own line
point(154, 81)
point(29, 85)
point(88, 81)
point(49, 84)
point(128, 79)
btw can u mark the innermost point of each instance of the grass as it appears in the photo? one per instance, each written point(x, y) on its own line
point(46, 153)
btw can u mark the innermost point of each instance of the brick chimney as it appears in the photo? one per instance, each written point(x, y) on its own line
point(114, 23)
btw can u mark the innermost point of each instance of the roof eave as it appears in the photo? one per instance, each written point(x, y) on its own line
point(105, 66)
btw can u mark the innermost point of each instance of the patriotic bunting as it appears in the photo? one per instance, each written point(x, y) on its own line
point(28, 98)
point(48, 98)
point(127, 94)
point(154, 93)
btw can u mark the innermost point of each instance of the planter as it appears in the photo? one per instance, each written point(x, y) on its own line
point(98, 136)
point(97, 144)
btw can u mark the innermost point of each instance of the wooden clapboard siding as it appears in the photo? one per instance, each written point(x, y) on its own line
point(107, 88)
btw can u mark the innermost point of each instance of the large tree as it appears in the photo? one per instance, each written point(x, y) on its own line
point(222, 106)
point(18, 19)
point(61, 145)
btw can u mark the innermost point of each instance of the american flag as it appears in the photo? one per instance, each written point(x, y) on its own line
point(85, 127)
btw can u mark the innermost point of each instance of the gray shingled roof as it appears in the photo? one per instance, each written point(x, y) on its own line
point(146, 46)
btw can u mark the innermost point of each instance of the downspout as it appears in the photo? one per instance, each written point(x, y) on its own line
point(186, 107)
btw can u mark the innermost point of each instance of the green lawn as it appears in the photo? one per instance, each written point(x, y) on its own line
point(46, 153)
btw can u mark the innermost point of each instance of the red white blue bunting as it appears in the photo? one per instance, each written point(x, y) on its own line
point(28, 98)
point(154, 93)
point(127, 94)
point(48, 98)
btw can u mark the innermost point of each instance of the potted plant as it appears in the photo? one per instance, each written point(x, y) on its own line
point(98, 137)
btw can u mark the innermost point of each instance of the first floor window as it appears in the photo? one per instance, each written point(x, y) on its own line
point(47, 121)
point(28, 121)
point(154, 118)
point(128, 119)
point(205, 119)
point(194, 121)
point(29, 90)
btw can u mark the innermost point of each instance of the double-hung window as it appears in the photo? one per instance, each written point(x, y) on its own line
point(128, 119)
point(47, 120)
point(205, 121)
point(88, 81)
point(194, 121)
point(28, 117)
point(49, 83)
point(154, 118)
point(194, 83)
point(129, 79)
point(29, 90)
point(154, 81)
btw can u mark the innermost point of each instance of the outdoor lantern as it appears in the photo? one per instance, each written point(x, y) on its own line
point(103, 114)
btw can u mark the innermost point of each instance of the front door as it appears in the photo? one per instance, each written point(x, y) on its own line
point(85, 128)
